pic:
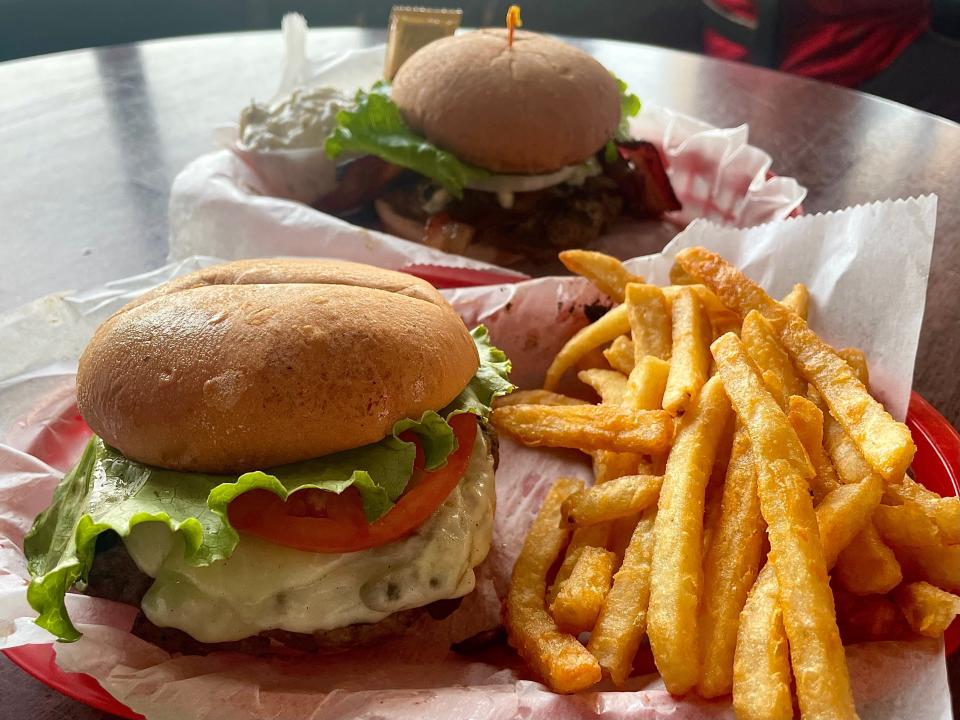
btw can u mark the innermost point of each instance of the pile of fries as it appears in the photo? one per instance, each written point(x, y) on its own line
point(751, 500)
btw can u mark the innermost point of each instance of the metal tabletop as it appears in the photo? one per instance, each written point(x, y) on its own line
point(90, 142)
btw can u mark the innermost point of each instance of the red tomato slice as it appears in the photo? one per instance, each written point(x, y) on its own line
point(319, 521)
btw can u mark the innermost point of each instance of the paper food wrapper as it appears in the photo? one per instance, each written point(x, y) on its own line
point(843, 257)
point(241, 203)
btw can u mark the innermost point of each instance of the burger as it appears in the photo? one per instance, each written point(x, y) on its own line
point(522, 147)
point(285, 453)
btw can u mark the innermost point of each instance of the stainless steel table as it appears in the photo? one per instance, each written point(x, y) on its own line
point(90, 142)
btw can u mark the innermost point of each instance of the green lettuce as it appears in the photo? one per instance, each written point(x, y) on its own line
point(374, 126)
point(629, 107)
point(107, 491)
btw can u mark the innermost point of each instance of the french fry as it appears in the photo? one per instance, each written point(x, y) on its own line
point(709, 301)
point(906, 526)
point(679, 276)
point(844, 514)
point(689, 354)
point(857, 362)
point(712, 499)
point(918, 545)
point(649, 317)
point(766, 351)
point(610, 385)
point(644, 391)
point(761, 671)
point(586, 427)
point(606, 272)
point(797, 300)
point(730, 567)
point(564, 664)
point(676, 565)
point(620, 354)
point(885, 443)
point(622, 621)
point(850, 465)
point(867, 566)
point(927, 608)
point(783, 468)
point(713, 496)
point(775, 387)
point(578, 602)
point(603, 331)
point(583, 537)
point(780, 440)
point(536, 397)
point(945, 512)
point(807, 420)
point(761, 666)
point(646, 384)
point(609, 465)
point(618, 498)
point(621, 530)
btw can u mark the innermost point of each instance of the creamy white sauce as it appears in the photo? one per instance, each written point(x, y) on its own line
point(571, 174)
point(505, 187)
point(263, 586)
point(302, 120)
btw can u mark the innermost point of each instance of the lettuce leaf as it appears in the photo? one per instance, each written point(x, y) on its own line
point(629, 107)
point(107, 491)
point(374, 126)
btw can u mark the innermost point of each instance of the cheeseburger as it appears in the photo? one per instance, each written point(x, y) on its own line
point(285, 452)
point(522, 147)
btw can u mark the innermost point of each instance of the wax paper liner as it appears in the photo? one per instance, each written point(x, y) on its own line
point(843, 257)
point(243, 203)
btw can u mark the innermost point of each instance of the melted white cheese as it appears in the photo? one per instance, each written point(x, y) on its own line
point(263, 586)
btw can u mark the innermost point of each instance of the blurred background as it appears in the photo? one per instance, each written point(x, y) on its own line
point(904, 50)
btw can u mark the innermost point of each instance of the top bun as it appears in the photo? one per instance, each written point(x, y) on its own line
point(532, 108)
point(259, 363)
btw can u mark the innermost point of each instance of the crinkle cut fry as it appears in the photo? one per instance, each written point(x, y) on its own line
point(885, 443)
point(559, 658)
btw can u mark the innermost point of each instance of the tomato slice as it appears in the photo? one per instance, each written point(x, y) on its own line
point(319, 521)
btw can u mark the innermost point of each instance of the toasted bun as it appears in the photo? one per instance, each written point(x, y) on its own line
point(258, 363)
point(532, 108)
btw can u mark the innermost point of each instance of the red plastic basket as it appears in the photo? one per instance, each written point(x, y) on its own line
point(936, 465)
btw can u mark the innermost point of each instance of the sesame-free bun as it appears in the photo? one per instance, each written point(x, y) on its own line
point(258, 363)
point(532, 108)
